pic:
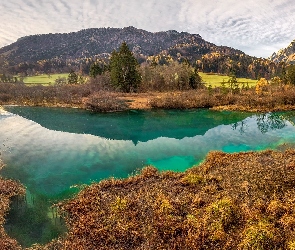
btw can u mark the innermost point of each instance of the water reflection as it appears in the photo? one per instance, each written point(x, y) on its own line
point(265, 122)
point(136, 126)
point(49, 161)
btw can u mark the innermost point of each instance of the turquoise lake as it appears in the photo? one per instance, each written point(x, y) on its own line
point(50, 150)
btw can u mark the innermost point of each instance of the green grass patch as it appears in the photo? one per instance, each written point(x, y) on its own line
point(216, 80)
point(44, 79)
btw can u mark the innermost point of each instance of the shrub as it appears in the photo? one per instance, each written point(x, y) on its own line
point(192, 179)
point(260, 235)
point(104, 101)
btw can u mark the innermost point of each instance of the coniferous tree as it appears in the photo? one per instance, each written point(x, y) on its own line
point(284, 74)
point(123, 67)
point(195, 80)
point(96, 69)
point(291, 74)
point(72, 78)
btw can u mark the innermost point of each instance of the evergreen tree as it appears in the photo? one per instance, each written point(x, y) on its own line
point(195, 80)
point(291, 74)
point(95, 70)
point(72, 78)
point(123, 67)
point(284, 74)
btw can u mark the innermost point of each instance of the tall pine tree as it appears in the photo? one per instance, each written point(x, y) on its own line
point(123, 67)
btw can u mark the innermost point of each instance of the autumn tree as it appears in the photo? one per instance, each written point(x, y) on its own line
point(124, 70)
point(261, 86)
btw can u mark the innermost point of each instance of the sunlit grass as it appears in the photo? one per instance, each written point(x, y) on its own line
point(216, 80)
point(44, 79)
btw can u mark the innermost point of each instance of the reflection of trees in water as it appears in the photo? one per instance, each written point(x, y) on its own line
point(271, 121)
point(265, 123)
point(240, 126)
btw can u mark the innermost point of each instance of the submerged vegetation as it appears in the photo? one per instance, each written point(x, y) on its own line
point(8, 189)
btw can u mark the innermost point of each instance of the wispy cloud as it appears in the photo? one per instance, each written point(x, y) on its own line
point(256, 27)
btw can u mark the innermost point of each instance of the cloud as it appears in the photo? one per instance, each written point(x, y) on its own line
point(242, 24)
point(257, 27)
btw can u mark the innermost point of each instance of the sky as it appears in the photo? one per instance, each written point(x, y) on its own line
point(257, 27)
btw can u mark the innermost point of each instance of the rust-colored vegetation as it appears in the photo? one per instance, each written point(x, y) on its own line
point(270, 98)
point(230, 201)
point(95, 96)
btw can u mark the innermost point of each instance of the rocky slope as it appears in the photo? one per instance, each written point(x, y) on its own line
point(285, 55)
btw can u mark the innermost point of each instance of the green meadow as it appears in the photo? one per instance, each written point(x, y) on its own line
point(216, 80)
point(44, 79)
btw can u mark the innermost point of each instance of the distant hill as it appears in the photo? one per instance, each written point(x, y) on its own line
point(285, 55)
point(51, 53)
point(92, 42)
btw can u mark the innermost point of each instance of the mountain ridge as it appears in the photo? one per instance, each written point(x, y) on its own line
point(87, 38)
point(62, 52)
point(286, 55)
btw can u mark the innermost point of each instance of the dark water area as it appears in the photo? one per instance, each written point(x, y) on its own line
point(52, 150)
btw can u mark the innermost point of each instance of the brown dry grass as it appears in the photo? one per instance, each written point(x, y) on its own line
point(274, 98)
point(231, 201)
point(94, 97)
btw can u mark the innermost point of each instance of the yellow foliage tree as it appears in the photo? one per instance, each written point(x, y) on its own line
point(261, 86)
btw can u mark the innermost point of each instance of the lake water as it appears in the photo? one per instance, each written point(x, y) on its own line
point(50, 150)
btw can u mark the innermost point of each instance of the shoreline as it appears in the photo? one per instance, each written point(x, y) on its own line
point(135, 105)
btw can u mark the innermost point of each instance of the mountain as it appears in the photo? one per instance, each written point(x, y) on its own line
point(91, 43)
point(51, 53)
point(286, 55)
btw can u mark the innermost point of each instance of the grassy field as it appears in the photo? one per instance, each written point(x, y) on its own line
point(213, 79)
point(216, 80)
point(44, 79)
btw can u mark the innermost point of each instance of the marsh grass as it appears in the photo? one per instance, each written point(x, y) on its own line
point(97, 96)
point(273, 99)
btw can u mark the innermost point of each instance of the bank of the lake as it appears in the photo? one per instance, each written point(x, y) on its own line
point(94, 97)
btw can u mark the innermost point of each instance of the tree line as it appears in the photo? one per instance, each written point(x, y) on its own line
point(123, 73)
point(163, 73)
